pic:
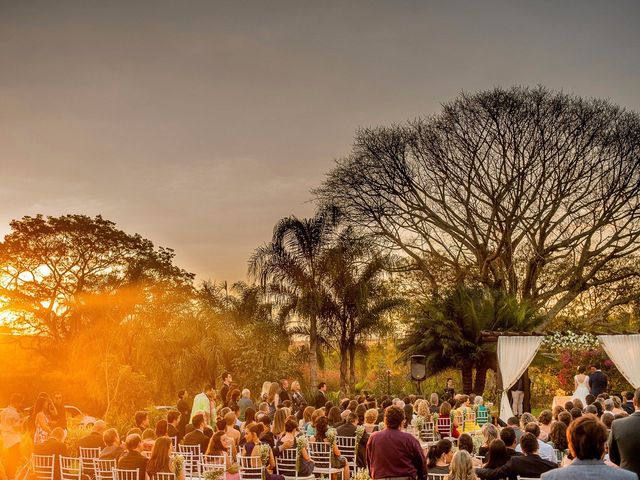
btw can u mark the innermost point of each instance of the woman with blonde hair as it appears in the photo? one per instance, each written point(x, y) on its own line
point(297, 398)
point(306, 418)
point(370, 417)
point(424, 411)
point(265, 391)
point(273, 399)
point(279, 420)
point(461, 467)
point(489, 434)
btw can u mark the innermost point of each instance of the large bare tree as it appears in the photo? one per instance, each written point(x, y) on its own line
point(528, 191)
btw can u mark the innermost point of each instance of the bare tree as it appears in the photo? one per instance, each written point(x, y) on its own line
point(525, 190)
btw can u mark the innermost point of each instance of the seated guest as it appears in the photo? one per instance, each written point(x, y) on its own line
point(197, 436)
point(230, 428)
point(462, 466)
point(252, 434)
point(558, 436)
point(113, 449)
point(160, 461)
point(434, 401)
point(162, 428)
point(508, 436)
point(94, 439)
point(544, 421)
point(370, 417)
point(337, 460)
point(392, 453)
point(173, 420)
point(565, 417)
point(607, 419)
point(627, 406)
point(148, 440)
point(592, 409)
point(266, 435)
point(465, 442)
point(439, 456)
point(489, 434)
point(514, 424)
point(545, 450)
point(496, 455)
point(556, 411)
point(528, 465)
point(133, 459)
point(53, 445)
point(587, 438)
point(576, 412)
point(288, 440)
point(334, 417)
point(142, 420)
point(348, 429)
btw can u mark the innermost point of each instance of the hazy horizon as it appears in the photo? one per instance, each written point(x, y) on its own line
point(199, 125)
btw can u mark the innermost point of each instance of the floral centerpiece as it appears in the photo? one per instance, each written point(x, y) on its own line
point(214, 474)
point(419, 423)
point(265, 456)
point(331, 436)
point(359, 434)
point(301, 443)
point(361, 474)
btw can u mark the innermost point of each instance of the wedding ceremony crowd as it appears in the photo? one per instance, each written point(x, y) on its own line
point(445, 436)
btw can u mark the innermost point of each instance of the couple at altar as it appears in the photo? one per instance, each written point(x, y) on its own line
point(594, 383)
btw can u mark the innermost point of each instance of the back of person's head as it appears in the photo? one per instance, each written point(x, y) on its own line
point(608, 405)
point(393, 417)
point(529, 443)
point(215, 443)
point(149, 434)
point(568, 405)
point(636, 397)
point(408, 412)
point(607, 418)
point(386, 403)
point(558, 435)
point(140, 417)
point(525, 419)
point(576, 413)
point(497, 453)
point(352, 417)
point(256, 428)
point(577, 403)
point(589, 399)
point(591, 409)
point(545, 417)
point(58, 433)
point(111, 437)
point(133, 431)
point(443, 447)
point(490, 433)
point(290, 425)
point(513, 422)
point(628, 396)
point(508, 436)
point(465, 442)
point(334, 416)
point(587, 438)
point(198, 421)
point(360, 411)
point(230, 419)
point(207, 388)
point(370, 416)
point(461, 467)
point(133, 441)
point(221, 424)
point(99, 426)
point(162, 428)
point(322, 426)
point(308, 413)
point(172, 416)
point(265, 420)
point(532, 427)
point(565, 417)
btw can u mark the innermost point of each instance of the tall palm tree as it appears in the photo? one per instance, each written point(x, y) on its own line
point(292, 262)
point(448, 331)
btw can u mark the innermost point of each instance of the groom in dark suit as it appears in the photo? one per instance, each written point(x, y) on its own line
point(598, 381)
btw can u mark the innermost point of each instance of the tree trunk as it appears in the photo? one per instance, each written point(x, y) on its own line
point(481, 378)
point(344, 369)
point(313, 352)
point(467, 376)
point(352, 367)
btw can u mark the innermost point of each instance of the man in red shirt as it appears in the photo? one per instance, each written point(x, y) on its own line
point(393, 454)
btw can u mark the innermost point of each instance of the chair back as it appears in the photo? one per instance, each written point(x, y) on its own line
point(213, 462)
point(163, 476)
point(348, 449)
point(436, 476)
point(559, 455)
point(528, 478)
point(70, 468)
point(43, 466)
point(174, 442)
point(287, 462)
point(192, 463)
point(482, 417)
point(427, 433)
point(121, 474)
point(190, 449)
point(250, 468)
point(444, 426)
point(87, 454)
point(320, 453)
point(104, 468)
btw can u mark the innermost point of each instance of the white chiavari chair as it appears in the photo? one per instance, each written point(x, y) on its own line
point(70, 468)
point(320, 453)
point(43, 466)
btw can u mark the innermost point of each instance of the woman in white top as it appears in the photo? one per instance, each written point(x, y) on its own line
point(581, 382)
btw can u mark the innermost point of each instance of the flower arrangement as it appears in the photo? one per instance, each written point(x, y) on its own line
point(301, 443)
point(570, 340)
point(359, 434)
point(419, 423)
point(214, 474)
point(265, 456)
point(361, 474)
point(178, 464)
point(381, 426)
point(331, 436)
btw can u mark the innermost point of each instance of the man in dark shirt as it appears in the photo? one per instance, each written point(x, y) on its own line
point(197, 436)
point(184, 407)
point(94, 439)
point(61, 413)
point(54, 445)
point(528, 465)
point(508, 436)
point(133, 459)
point(224, 391)
point(321, 397)
point(267, 435)
point(392, 453)
point(172, 423)
point(284, 390)
point(113, 449)
point(348, 429)
point(627, 406)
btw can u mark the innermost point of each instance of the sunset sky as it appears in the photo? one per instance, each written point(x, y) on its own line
point(199, 124)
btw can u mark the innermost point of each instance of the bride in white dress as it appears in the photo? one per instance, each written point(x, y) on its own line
point(581, 383)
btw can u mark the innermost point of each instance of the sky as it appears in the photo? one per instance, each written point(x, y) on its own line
point(200, 124)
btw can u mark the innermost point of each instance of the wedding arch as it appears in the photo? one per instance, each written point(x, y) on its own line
point(516, 351)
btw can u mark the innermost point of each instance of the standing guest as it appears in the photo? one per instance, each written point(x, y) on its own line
point(197, 436)
point(224, 391)
point(173, 419)
point(449, 389)
point(11, 433)
point(60, 419)
point(528, 465)
point(439, 456)
point(624, 441)
point(284, 390)
point(233, 397)
point(245, 402)
point(394, 453)
point(160, 461)
point(184, 408)
point(53, 445)
point(113, 449)
point(321, 397)
point(462, 467)
point(202, 404)
point(587, 437)
point(297, 398)
point(42, 412)
point(133, 459)
point(434, 403)
point(95, 437)
point(517, 396)
point(273, 399)
point(142, 420)
point(348, 429)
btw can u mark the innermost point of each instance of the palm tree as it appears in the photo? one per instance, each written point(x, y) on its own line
point(448, 331)
point(290, 267)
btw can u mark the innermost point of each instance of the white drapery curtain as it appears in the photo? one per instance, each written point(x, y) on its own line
point(624, 351)
point(515, 354)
